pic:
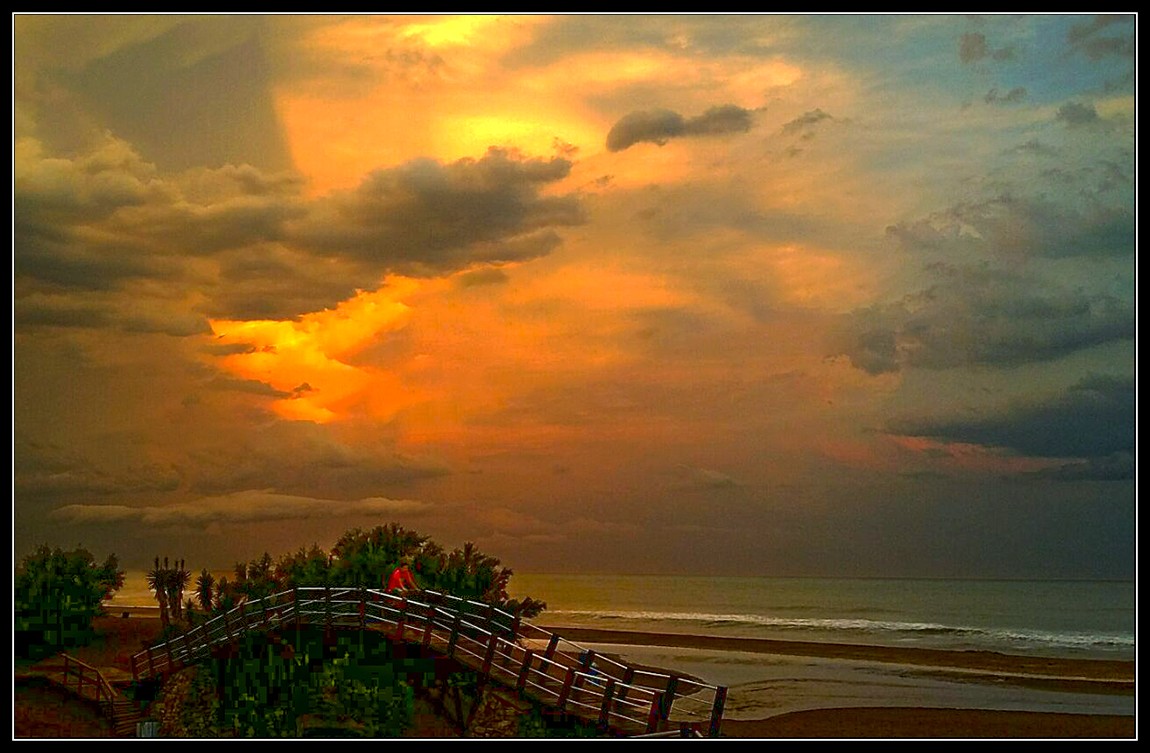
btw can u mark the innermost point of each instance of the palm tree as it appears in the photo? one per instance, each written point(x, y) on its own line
point(204, 590)
point(157, 579)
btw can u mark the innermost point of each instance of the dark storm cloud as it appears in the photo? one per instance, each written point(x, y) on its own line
point(973, 47)
point(979, 316)
point(1024, 227)
point(1105, 36)
point(425, 215)
point(48, 310)
point(48, 470)
point(1094, 419)
point(178, 98)
point(1120, 466)
point(658, 126)
point(1015, 95)
point(806, 121)
point(106, 218)
point(300, 458)
point(251, 506)
point(1077, 114)
point(108, 221)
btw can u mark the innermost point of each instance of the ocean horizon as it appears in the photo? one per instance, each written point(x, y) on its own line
point(1051, 618)
point(1066, 618)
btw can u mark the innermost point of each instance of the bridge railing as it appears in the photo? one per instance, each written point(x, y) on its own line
point(498, 644)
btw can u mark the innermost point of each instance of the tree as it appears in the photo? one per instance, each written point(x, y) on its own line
point(470, 574)
point(204, 593)
point(57, 595)
point(168, 583)
point(257, 578)
point(304, 567)
point(365, 557)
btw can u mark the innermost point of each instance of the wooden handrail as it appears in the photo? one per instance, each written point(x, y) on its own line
point(490, 640)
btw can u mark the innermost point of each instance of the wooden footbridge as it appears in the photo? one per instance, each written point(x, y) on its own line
point(621, 699)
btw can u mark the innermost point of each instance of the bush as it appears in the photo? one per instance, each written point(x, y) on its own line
point(310, 685)
point(57, 595)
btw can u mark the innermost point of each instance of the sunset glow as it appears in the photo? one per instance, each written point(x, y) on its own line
point(597, 288)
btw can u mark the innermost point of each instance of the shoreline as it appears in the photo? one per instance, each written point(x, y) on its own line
point(832, 721)
point(1105, 674)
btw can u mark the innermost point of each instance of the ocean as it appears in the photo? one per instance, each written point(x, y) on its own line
point(1073, 619)
point(1069, 619)
point(1057, 618)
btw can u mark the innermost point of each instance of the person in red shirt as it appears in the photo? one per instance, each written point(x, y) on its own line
point(401, 579)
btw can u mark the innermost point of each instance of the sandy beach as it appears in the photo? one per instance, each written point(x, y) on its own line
point(124, 636)
point(979, 669)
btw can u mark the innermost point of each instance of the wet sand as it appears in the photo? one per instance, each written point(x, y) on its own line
point(910, 723)
point(1108, 677)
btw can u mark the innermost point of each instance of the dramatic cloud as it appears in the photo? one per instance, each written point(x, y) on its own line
point(428, 216)
point(658, 126)
point(1091, 420)
point(1104, 36)
point(253, 506)
point(354, 260)
point(980, 317)
point(1077, 114)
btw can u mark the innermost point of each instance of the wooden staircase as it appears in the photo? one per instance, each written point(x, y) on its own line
point(87, 682)
point(568, 679)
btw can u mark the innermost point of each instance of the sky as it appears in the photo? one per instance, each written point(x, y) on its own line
point(765, 295)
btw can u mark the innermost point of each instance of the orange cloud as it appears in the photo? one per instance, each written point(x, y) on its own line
point(312, 359)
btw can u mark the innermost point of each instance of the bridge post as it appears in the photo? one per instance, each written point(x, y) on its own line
point(524, 669)
point(327, 607)
point(454, 634)
point(515, 627)
point(362, 607)
point(489, 654)
point(669, 697)
point(295, 605)
point(430, 621)
point(568, 680)
point(401, 620)
point(628, 678)
point(605, 708)
point(151, 663)
point(717, 711)
point(655, 714)
point(227, 625)
point(551, 644)
point(585, 660)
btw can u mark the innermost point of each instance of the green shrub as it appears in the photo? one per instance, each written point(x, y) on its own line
point(57, 595)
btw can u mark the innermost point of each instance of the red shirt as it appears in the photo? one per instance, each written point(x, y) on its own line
point(401, 578)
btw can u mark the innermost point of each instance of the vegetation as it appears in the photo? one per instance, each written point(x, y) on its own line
point(358, 558)
point(57, 595)
point(305, 686)
point(168, 583)
point(308, 685)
